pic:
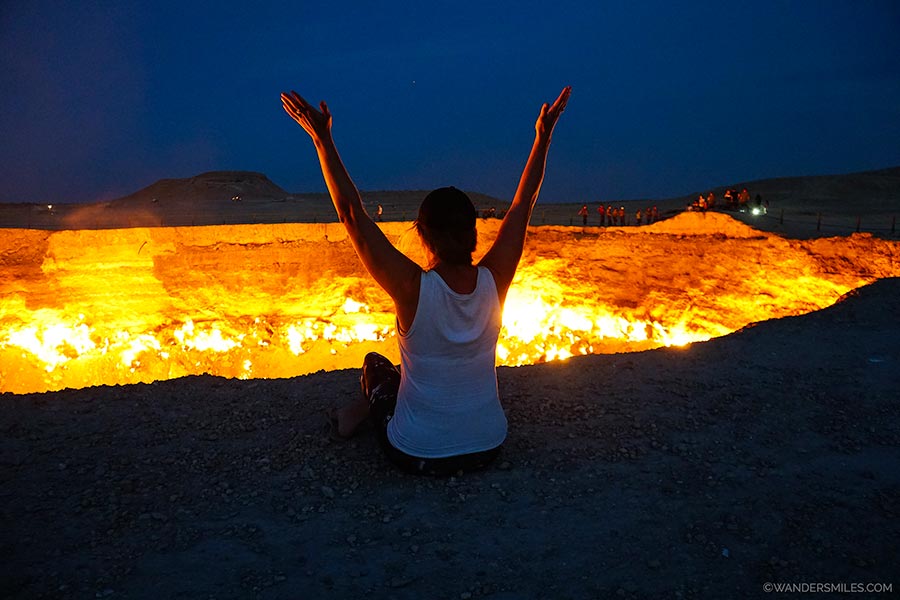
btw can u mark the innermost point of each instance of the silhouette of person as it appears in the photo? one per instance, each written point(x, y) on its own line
point(583, 213)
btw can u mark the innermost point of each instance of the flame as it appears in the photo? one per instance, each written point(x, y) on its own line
point(127, 306)
point(535, 329)
point(543, 322)
point(51, 341)
point(210, 339)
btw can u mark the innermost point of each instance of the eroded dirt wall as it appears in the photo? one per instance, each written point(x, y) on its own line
point(116, 306)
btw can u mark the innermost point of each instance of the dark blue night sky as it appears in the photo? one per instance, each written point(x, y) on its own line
point(102, 98)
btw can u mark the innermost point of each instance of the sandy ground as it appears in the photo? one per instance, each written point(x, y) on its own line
point(769, 455)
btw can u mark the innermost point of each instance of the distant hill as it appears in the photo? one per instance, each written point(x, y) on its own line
point(853, 192)
point(214, 198)
point(248, 186)
point(233, 197)
point(213, 186)
point(840, 199)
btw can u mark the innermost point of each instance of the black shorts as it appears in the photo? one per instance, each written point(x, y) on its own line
point(380, 383)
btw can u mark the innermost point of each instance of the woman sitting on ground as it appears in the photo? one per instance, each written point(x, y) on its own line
point(441, 412)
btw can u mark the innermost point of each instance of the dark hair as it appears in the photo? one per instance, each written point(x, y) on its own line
point(446, 223)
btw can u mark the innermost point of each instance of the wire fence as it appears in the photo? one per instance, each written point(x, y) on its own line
point(823, 223)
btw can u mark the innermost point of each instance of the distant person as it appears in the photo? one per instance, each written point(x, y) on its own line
point(379, 211)
point(610, 216)
point(441, 412)
point(489, 213)
point(637, 217)
point(602, 213)
point(583, 213)
point(710, 200)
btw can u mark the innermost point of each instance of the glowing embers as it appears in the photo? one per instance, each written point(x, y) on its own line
point(50, 340)
point(545, 321)
point(539, 325)
point(54, 341)
point(47, 349)
point(358, 328)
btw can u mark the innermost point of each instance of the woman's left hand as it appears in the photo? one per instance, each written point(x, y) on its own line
point(317, 123)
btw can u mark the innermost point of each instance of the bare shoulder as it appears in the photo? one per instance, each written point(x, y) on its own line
point(501, 278)
point(406, 303)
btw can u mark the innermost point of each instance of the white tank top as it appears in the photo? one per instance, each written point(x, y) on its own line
point(448, 402)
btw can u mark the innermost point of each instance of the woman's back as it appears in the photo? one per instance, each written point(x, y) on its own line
point(448, 402)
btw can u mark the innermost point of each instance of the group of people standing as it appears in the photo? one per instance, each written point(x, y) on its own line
point(734, 200)
point(611, 216)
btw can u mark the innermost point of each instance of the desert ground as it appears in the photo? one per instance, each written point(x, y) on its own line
point(768, 456)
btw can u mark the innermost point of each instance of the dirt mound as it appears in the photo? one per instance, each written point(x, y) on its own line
point(703, 223)
point(208, 198)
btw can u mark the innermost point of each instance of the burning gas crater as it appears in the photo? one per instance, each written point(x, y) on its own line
point(82, 308)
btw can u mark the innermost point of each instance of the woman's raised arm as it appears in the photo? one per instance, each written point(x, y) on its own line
point(503, 257)
point(397, 274)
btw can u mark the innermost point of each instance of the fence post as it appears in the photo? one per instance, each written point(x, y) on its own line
point(781, 218)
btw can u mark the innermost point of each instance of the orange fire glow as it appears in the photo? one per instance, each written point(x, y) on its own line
point(82, 308)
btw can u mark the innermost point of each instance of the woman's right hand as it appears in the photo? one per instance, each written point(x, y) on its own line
point(550, 113)
point(317, 123)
